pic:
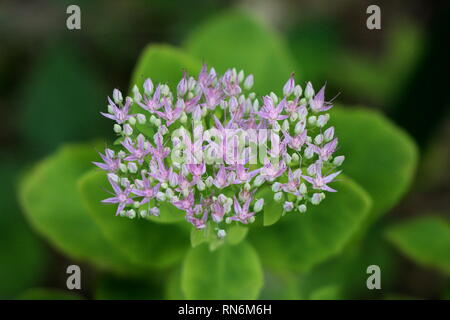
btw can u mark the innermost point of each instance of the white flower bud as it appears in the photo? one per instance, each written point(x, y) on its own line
point(110, 109)
point(136, 204)
point(200, 185)
point(317, 198)
point(287, 159)
point(221, 233)
point(274, 97)
point(309, 91)
point(312, 120)
point(259, 180)
point(301, 208)
point(154, 211)
point(289, 86)
point(285, 125)
point(259, 204)
point(117, 128)
point(136, 94)
point(209, 181)
point(329, 134)
point(309, 153)
point(295, 157)
point(163, 130)
point(169, 193)
point(228, 220)
point(278, 196)
point(165, 90)
point(123, 167)
point(248, 83)
point(293, 117)
point(132, 167)
point(121, 154)
point(297, 91)
point(141, 118)
point(256, 105)
point(114, 177)
point(132, 120)
point(127, 130)
point(160, 196)
point(143, 213)
point(251, 219)
point(131, 214)
point(322, 120)
point(303, 189)
point(148, 86)
point(318, 139)
point(241, 76)
point(247, 186)
point(276, 187)
point(338, 160)
point(117, 96)
point(222, 198)
point(288, 206)
point(299, 127)
point(124, 182)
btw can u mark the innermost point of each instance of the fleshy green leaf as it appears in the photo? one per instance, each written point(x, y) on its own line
point(111, 287)
point(235, 234)
point(142, 241)
point(379, 155)
point(235, 40)
point(300, 241)
point(54, 207)
point(230, 272)
point(61, 101)
point(173, 286)
point(22, 254)
point(425, 240)
point(164, 64)
point(272, 210)
point(48, 294)
point(331, 292)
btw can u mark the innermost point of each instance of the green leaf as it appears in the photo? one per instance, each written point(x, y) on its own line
point(331, 292)
point(142, 241)
point(52, 204)
point(379, 156)
point(48, 294)
point(280, 286)
point(173, 286)
point(235, 40)
point(425, 240)
point(230, 272)
point(272, 210)
point(164, 64)
point(22, 254)
point(111, 287)
point(236, 233)
point(348, 270)
point(61, 101)
point(300, 241)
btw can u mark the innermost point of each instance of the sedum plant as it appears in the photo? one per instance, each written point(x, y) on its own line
point(240, 244)
point(216, 146)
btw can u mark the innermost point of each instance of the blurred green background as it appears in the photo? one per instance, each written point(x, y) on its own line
point(54, 82)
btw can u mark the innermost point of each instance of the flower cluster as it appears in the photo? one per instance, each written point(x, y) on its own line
point(226, 146)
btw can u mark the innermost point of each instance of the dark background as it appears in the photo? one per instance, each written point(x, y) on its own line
point(54, 82)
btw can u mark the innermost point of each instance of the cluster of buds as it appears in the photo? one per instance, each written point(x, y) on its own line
point(209, 147)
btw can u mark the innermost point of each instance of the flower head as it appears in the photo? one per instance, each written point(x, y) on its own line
point(211, 144)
